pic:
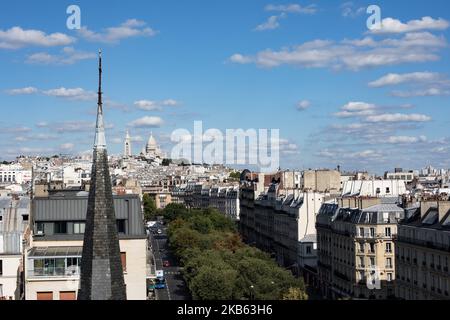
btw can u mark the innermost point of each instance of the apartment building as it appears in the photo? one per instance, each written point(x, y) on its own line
point(278, 219)
point(54, 256)
point(356, 252)
point(14, 216)
point(322, 181)
point(423, 253)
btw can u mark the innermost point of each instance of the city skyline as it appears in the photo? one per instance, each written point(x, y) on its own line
point(257, 65)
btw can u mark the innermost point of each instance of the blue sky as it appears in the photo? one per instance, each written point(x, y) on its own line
point(338, 92)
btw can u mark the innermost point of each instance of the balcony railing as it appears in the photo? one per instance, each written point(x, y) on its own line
point(423, 243)
point(54, 272)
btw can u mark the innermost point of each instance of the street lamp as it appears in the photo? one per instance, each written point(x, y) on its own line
point(251, 292)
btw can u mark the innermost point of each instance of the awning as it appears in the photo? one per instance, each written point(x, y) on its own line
point(54, 252)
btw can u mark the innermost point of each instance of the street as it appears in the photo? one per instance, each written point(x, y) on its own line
point(175, 286)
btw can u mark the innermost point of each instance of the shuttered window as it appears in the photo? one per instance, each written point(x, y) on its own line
point(123, 257)
point(45, 295)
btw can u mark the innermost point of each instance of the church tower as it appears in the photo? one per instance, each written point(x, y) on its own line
point(101, 275)
point(127, 145)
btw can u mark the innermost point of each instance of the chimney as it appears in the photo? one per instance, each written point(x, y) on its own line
point(425, 206)
point(443, 208)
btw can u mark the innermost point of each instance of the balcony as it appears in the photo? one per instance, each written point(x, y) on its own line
point(54, 272)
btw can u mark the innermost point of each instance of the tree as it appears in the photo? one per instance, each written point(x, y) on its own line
point(209, 284)
point(166, 162)
point(150, 211)
point(235, 175)
point(295, 294)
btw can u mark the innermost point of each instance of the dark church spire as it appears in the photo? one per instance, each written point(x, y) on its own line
point(101, 275)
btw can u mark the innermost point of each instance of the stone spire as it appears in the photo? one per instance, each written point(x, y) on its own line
point(101, 275)
point(127, 145)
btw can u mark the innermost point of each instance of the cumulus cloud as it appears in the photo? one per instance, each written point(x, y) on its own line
point(67, 146)
point(271, 23)
point(398, 117)
point(356, 109)
point(429, 92)
point(351, 54)
point(129, 29)
point(303, 105)
point(405, 139)
point(350, 10)
point(22, 91)
point(71, 93)
point(395, 78)
point(150, 105)
point(421, 84)
point(292, 8)
point(390, 25)
point(16, 38)
point(68, 56)
point(147, 122)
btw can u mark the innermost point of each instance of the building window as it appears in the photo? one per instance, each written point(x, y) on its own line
point(1, 218)
point(308, 249)
point(361, 232)
point(387, 231)
point(389, 277)
point(25, 217)
point(388, 247)
point(372, 248)
point(372, 261)
point(1, 267)
point(361, 247)
point(389, 263)
point(44, 295)
point(60, 228)
point(67, 295)
point(388, 190)
point(121, 226)
point(123, 257)
point(79, 227)
point(372, 232)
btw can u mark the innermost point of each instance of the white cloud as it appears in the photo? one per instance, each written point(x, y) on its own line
point(271, 24)
point(292, 8)
point(129, 29)
point(67, 146)
point(349, 10)
point(240, 59)
point(398, 117)
point(395, 78)
point(147, 122)
point(390, 25)
point(68, 56)
point(356, 109)
point(429, 92)
point(411, 48)
point(16, 38)
point(150, 105)
point(423, 84)
point(72, 94)
point(303, 105)
point(405, 139)
point(23, 91)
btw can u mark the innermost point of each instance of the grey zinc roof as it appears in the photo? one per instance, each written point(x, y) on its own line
point(309, 238)
point(127, 207)
point(56, 252)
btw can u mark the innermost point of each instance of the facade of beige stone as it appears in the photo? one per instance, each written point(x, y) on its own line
point(356, 252)
point(423, 253)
